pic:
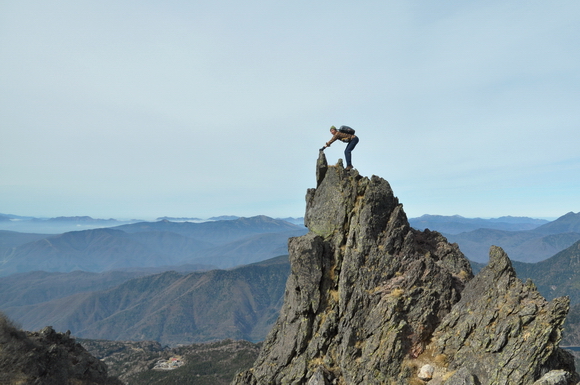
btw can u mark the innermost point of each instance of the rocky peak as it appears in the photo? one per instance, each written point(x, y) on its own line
point(47, 358)
point(503, 331)
point(371, 300)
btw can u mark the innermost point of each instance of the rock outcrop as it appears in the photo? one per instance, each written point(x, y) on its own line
point(371, 300)
point(47, 358)
point(502, 323)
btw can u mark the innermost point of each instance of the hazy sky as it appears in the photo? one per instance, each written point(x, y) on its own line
point(140, 109)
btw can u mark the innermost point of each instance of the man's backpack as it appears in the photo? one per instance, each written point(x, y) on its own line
point(346, 130)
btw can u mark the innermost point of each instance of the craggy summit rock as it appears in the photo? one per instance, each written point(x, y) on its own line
point(47, 358)
point(371, 300)
point(502, 330)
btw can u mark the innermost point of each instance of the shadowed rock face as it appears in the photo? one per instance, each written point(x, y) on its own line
point(370, 300)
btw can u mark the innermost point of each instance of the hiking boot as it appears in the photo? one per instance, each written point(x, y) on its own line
point(348, 168)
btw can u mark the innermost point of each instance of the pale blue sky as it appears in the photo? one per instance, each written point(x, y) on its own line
point(141, 109)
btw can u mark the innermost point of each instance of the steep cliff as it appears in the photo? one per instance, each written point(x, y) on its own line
point(370, 300)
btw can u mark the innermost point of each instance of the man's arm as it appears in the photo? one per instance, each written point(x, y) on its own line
point(334, 138)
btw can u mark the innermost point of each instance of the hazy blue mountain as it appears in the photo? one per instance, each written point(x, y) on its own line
point(525, 246)
point(569, 223)
point(296, 221)
point(247, 250)
point(223, 218)
point(90, 250)
point(55, 225)
point(521, 246)
point(9, 239)
point(171, 308)
point(149, 245)
point(216, 232)
point(556, 276)
point(456, 224)
point(82, 219)
point(180, 219)
point(40, 286)
point(17, 217)
point(179, 247)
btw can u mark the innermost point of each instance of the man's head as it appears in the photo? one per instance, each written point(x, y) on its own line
point(333, 130)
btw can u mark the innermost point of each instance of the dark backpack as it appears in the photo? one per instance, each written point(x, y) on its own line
point(346, 130)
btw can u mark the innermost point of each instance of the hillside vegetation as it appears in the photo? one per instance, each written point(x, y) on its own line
point(213, 363)
point(169, 307)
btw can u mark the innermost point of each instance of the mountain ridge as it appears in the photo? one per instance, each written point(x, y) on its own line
point(523, 246)
point(150, 244)
point(524, 239)
point(170, 307)
point(456, 224)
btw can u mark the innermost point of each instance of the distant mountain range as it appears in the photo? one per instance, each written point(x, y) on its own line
point(215, 244)
point(59, 225)
point(125, 290)
point(10, 239)
point(170, 307)
point(457, 224)
point(528, 240)
point(556, 276)
point(175, 308)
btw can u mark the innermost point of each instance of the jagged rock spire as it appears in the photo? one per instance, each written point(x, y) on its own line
point(367, 292)
point(502, 330)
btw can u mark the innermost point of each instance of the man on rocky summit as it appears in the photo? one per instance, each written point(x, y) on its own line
point(351, 139)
